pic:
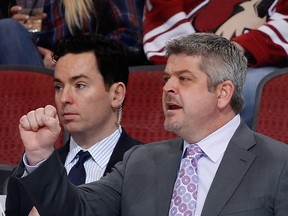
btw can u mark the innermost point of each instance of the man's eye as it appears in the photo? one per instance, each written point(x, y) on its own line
point(183, 78)
point(80, 86)
point(165, 79)
point(58, 87)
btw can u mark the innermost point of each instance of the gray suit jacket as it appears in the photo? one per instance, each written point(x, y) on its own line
point(252, 180)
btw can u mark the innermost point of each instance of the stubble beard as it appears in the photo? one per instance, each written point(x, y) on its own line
point(172, 126)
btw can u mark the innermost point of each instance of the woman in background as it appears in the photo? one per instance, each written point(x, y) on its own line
point(114, 19)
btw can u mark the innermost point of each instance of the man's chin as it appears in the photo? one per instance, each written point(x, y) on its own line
point(171, 126)
point(71, 128)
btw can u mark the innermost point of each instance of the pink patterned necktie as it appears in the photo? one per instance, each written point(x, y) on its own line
point(183, 202)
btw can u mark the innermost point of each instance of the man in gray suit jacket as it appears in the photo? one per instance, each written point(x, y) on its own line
point(239, 172)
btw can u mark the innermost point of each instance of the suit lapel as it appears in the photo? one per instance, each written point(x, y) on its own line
point(167, 168)
point(235, 163)
point(63, 151)
point(124, 143)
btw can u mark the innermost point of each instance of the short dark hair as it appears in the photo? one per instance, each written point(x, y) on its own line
point(110, 55)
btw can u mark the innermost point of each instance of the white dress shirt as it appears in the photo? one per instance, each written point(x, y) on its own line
point(214, 147)
point(100, 152)
point(95, 166)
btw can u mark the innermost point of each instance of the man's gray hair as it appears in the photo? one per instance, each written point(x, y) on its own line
point(220, 60)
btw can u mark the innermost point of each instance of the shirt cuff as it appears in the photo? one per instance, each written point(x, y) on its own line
point(28, 168)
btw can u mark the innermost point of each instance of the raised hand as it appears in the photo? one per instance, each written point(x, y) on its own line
point(22, 18)
point(39, 130)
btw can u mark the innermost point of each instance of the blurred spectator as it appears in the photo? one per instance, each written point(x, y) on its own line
point(116, 20)
point(257, 27)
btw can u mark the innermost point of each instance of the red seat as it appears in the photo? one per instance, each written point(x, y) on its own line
point(22, 89)
point(271, 106)
point(143, 116)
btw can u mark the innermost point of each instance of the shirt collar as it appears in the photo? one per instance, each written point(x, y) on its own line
point(100, 151)
point(216, 143)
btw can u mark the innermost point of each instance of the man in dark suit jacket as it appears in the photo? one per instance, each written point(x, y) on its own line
point(239, 172)
point(19, 203)
point(90, 85)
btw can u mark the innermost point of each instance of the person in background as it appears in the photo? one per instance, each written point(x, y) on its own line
point(257, 27)
point(218, 166)
point(90, 86)
point(116, 20)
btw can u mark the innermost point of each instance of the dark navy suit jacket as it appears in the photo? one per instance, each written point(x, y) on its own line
point(20, 205)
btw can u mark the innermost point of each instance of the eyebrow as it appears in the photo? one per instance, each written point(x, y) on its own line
point(74, 78)
point(178, 72)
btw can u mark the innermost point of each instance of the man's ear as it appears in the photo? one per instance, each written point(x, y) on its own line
point(117, 92)
point(225, 92)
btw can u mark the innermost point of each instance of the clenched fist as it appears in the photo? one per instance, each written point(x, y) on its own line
point(39, 130)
